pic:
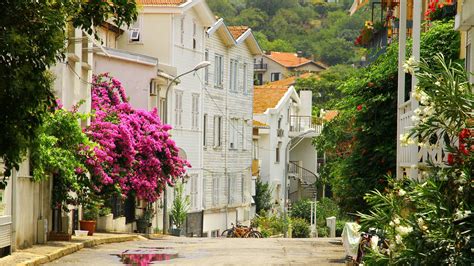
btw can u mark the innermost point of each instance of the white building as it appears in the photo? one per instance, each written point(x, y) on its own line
point(227, 127)
point(27, 217)
point(464, 22)
point(285, 131)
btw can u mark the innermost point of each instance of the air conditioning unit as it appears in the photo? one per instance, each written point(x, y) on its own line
point(280, 132)
point(134, 35)
point(153, 90)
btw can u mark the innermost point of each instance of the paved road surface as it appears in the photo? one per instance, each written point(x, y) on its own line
point(212, 251)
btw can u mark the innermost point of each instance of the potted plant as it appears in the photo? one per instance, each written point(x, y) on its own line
point(105, 221)
point(144, 222)
point(179, 210)
point(89, 217)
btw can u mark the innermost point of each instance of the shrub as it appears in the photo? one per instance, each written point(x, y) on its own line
point(263, 197)
point(272, 225)
point(339, 227)
point(429, 220)
point(300, 228)
point(326, 208)
point(323, 231)
point(302, 209)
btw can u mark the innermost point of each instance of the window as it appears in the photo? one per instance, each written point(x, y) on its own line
point(218, 71)
point(217, 131)
point(194, 35)
point(194, 192)
point(204, 130)
point(162, 109)
point(178, 108)
point(215, 190)
point(233, 75)
point(277, 152)
point(182, 31)
point(245, 88)
point(244, 135)
point(279, 123)
point(135, 30)
point(259, 79)
point(195, 111)
point(275, 76)
point(233, 133)
point(233, 188)
point(255, 149)
point(206, 69)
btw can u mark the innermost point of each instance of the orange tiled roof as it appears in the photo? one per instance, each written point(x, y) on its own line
point(288, 81)
point(237, 31)
point(288, 59)
point(161, 2)
point(266, 97)
point(259, 124)
point(330, 115)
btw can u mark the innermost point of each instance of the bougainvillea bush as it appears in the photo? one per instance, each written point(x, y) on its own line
point(135, 153)
point(429, 221)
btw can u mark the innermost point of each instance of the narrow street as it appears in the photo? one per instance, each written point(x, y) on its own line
point(211, 251)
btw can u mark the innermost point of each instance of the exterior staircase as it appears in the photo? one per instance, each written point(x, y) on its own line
point(306, 179)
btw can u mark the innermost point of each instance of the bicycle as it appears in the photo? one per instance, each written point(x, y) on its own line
point(241, 231)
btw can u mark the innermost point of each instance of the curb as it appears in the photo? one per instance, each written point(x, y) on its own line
point(39, 259)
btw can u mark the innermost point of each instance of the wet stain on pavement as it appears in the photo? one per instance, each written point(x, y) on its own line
point(146, 256)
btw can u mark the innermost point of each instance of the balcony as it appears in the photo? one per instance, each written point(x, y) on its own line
point(300, 124)
point(260, 67)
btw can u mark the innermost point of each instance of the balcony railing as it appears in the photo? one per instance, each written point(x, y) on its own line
point(260, 67)
point(305, 123)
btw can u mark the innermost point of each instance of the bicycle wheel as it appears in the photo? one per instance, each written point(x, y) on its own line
point(228, 233)
point(252, 234)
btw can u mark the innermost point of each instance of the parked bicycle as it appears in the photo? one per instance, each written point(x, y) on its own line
point(374, 239)
point(241, 231)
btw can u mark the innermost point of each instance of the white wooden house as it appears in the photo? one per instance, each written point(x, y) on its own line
point(227, 126)
point(287, 159)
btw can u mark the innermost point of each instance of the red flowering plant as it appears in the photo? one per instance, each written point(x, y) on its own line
point(440, 9)
point(135, 153)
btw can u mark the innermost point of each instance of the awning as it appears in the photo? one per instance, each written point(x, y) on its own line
point(357, 5)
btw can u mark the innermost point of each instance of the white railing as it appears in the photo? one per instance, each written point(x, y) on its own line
point(412, 156)
point(304, 123)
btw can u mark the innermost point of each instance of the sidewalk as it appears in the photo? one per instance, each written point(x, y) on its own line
point(39, 254)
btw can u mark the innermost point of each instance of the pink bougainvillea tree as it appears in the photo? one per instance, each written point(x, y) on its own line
point(135, 152)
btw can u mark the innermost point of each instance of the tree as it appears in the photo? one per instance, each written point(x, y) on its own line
point(32, 40)
point(263, 197)
point(60, 152)
point(135, 154)
point(278, 45)
point(325, 86)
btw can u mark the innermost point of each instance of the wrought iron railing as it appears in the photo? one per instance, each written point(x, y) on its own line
point(304, 175)
point(260, 66)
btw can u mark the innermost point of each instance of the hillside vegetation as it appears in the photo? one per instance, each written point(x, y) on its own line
point(319, 29)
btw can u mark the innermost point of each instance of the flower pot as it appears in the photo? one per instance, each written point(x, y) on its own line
point(177, 232)
point(88, 226)
point(142, 226)
point(105, 223)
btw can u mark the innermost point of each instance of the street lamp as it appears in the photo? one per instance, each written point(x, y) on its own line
point(201, 65)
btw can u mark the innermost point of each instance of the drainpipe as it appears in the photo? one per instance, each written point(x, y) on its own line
point(13, 211)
